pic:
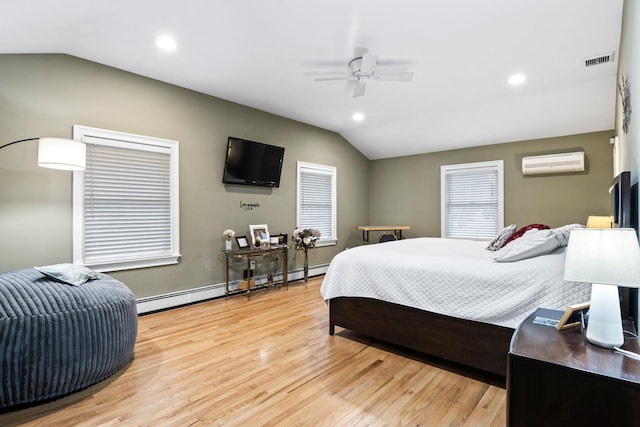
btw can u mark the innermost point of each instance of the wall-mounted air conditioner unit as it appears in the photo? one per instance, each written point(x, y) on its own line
point(553, 163)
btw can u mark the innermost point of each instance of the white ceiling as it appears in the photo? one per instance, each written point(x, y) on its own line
point(266, 54)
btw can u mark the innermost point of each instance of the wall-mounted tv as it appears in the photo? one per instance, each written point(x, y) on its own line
point(252, 163)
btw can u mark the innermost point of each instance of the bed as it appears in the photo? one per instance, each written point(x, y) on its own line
point(472, 319)
point(446, 297)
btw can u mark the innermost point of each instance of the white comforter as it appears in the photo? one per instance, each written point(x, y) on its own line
point(453, 277)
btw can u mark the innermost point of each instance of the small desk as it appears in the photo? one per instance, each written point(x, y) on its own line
point(397, 229)
point(557, 378)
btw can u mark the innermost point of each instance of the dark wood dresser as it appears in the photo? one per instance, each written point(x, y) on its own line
point(557, 378)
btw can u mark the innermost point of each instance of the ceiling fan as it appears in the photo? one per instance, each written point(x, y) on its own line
point(363, 70)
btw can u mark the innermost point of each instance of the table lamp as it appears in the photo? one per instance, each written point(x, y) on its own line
point(58, 153)
point(606, 258)
point(599, 221)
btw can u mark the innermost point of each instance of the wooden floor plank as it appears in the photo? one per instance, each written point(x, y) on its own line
point(269, 361)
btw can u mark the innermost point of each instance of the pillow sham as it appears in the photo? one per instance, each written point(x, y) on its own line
point(523, 230)
point(502, 237)
point(70, 274)
point(532, 243)
point(562, 233)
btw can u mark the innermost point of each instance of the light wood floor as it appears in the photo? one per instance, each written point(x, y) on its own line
point(270, 361)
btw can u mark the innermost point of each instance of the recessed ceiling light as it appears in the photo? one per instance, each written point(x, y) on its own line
point(517, 79)
point(358, 117)
point(166, 43)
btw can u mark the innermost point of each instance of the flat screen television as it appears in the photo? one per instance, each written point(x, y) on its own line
point(252, 163)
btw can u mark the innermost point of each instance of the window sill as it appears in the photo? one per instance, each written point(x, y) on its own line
point(331, 242)
point(133, 264)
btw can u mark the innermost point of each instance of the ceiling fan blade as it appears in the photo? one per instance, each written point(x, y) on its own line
point(333, 73)
point(350, 87)
point(368, 63)
point(394, 77)
point(386, 70)
point(359, 90)
point(328, 79)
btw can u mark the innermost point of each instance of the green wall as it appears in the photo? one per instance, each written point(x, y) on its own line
point(406, 190)
point(45, 95)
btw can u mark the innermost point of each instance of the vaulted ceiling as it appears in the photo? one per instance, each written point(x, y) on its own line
point(268, 55)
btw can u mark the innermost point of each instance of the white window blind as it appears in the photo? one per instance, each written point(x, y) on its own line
point(316, 201)
point(125, 207)
point(472, 200)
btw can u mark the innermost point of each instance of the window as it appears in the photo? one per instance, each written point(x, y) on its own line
point(472, 201)
point(125, 203)
point(316, 200)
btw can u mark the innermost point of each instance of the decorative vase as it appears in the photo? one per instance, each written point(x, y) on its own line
point(227, 245)
point(306, 264)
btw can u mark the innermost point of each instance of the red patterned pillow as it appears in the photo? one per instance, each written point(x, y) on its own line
point(523, 230)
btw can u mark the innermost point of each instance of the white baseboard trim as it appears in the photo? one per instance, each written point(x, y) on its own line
point(189, 296)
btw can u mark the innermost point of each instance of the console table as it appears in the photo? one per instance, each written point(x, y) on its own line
point(397, 229)
point(251, 255)
point(557, 378)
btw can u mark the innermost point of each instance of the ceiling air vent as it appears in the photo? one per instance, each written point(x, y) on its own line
point(599, 59)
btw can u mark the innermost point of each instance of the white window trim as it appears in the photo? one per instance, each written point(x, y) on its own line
point(326, 170)
point(444, 169)
point(120, 139)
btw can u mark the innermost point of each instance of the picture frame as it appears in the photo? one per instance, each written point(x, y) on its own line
point(259, 232)
point(279, 239)
point(242, 242)
point(573, 316)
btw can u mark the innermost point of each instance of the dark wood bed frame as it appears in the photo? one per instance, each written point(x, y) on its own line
point(479, 345)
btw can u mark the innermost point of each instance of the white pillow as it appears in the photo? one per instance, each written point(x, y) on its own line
point(70, 274)
point(502, 237)
point(562, 233)
point(533, 243)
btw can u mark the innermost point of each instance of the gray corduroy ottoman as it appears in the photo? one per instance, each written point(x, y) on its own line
point(56, 339)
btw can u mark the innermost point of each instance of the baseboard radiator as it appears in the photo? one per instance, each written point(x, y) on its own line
point(189, 296)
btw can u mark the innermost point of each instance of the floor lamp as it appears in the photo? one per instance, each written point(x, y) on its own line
point(58, 153)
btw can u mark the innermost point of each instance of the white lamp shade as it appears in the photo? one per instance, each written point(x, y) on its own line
point(605, 256)
point(60, 153)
